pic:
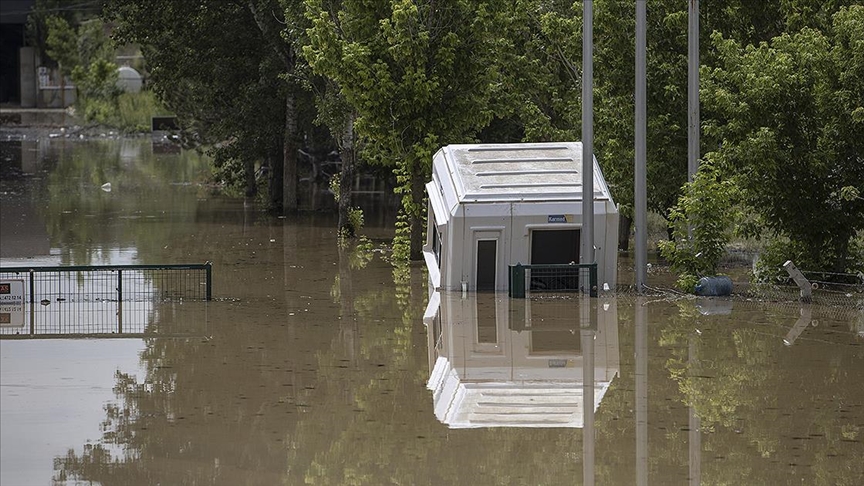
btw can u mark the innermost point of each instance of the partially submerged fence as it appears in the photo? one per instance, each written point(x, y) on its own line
point(826, 288)
point(552, 278)
point(95, 299)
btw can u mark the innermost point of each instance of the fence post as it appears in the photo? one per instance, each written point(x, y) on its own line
point(800, 280)
point(517, 281)
point(119, 301)
point(592, 279)
point(209, 285)
point(32, 287)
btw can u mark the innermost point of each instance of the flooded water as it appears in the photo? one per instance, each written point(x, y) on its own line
point(318, 364)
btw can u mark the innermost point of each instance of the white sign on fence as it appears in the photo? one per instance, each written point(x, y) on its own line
point(11, 303)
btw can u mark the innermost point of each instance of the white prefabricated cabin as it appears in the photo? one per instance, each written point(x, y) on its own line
point(494, 205)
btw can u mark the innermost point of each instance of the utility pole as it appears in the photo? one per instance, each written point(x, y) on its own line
point(693, 90)
point(587, 236)
point(640, 207)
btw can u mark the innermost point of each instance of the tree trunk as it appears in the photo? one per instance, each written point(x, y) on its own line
point(289, 156)
point(275, 179)
point(624, 225)
point(271, 27)
point(348, 156)
point(418, 196)
point(249, 174)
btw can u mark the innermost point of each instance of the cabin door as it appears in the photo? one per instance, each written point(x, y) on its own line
point(487, 265)
point(559, 246)
point(554, 246)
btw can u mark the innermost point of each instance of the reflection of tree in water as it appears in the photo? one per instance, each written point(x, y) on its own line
point(727, 377)
point(79, 213)
point(763, 404)
point(201, 414)
point(340, 397)
point(215, 408)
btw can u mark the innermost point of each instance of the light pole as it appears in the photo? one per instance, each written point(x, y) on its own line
point(587, 236)
point(693, 89)
point(640, 199)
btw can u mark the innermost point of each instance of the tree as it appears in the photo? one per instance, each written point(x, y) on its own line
point(83, 52)
point(701, 225)
point(537, 95)
point(228, 74)
point(787, 116)
point(666, 89)
point(72, 11)
point(417, 75)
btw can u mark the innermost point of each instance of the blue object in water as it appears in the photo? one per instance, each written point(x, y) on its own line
point(714, 286)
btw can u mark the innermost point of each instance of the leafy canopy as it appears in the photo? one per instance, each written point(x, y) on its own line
point(787, 116)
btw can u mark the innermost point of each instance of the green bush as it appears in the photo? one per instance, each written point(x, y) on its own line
point(135, 110)
point(355, 214)
point(778, 250)
point(701, 224)
point(128, 112)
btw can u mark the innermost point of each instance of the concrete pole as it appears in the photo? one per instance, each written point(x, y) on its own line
point(693, 90)
point(640, 207)
point(587, 236)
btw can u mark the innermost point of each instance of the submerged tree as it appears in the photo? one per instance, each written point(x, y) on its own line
point(787, 116)
point(417, 74)
point(226, 71)
point(537, 95)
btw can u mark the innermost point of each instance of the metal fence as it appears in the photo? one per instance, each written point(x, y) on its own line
point(842, 296)
point(96, 300)
point(552, 278)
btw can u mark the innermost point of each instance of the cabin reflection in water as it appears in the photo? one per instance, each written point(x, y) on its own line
point(499, 362)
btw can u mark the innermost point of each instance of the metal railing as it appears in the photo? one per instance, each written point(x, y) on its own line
point(552, 278)
point(114, 282)
point(103, 300)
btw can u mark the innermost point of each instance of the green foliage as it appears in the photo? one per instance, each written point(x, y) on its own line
point(355, 217)
point(98, 80)
point(62, 43)
point(129, 112)
point(783, 116)
point(86, 56)
point(781, 91)
point(701, 224)
point(666, 87)
point(537, 89)
point(355, 214)
point(84, 53)
point(768, 268)
point(417, 74)
point(135, 110)
point(224, 75)
point(849, 193)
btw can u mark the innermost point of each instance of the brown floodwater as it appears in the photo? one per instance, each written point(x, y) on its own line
point(320, 364)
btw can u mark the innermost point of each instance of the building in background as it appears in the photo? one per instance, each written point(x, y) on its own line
point(13, 21)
